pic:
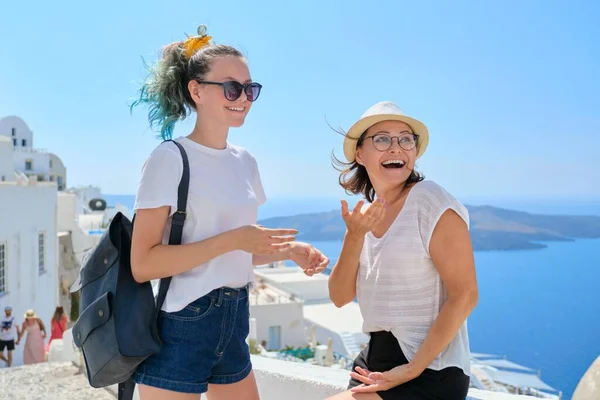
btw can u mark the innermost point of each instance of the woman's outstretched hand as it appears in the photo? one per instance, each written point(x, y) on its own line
point(358, 222)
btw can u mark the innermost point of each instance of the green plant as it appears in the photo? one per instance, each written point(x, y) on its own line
point(74, 306)
point(253, 346)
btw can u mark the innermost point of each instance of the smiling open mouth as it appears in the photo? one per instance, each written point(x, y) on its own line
point(393, 164)
point(236, 109)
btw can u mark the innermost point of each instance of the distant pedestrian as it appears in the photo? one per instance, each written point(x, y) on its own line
point(33, 351)
point(58, 325)
point(7, 335)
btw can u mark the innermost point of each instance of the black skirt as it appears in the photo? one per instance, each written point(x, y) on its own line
point(383, 353)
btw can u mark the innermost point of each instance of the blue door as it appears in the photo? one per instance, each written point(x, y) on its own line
point(274, 342)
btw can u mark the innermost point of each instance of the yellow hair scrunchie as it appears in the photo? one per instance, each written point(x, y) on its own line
point(195, 43)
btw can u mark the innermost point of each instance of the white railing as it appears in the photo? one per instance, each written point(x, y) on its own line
point(30, 150)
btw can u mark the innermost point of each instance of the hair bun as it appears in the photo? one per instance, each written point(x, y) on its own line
point(194, 43)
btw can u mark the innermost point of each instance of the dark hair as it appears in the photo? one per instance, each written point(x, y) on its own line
point(354, 177)
point(58, 313)
point(166, 88)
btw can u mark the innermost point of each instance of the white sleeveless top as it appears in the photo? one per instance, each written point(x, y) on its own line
point(398, 287)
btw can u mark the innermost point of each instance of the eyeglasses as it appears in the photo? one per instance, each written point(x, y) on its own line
point(383, 142)
point(233, 89)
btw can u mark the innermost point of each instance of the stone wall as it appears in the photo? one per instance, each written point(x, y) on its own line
point(68, 269)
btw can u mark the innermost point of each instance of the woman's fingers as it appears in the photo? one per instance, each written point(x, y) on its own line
point(358, 207)
point(361, 378)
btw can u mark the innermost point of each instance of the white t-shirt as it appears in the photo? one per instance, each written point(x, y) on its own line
point(398, 287)
point(225, 192)
point(8, 329)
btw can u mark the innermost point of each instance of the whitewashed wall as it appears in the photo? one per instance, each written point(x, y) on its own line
point(22, 131)
point(26, 211)
point(7, 171)
point(40, 162)
point(287, 315)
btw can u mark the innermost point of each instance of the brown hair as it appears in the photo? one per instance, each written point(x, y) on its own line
point(59, 312)
point(354, 177)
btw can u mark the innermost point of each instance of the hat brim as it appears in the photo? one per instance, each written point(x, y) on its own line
point(355, 132)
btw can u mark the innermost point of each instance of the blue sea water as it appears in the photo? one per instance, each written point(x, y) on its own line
point(539, 308)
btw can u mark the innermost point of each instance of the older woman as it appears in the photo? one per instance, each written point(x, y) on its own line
point(408, 258)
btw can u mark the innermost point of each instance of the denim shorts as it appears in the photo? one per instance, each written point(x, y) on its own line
point(201, 344)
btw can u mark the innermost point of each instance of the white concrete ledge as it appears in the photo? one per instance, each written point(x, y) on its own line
point(294, 381)
point(279, 379)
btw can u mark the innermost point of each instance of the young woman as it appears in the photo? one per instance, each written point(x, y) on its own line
point(408, 258)
point(58, 325)
point(205, 318)
point(33, 327)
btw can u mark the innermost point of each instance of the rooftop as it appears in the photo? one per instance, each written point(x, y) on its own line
point(265, 294)
point(344, 319)
point(283, 274)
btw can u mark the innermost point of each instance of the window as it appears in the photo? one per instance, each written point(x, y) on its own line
point(51, 178)
point(14, 131)
point(23, 142)
point(3, 263)
point(28, 165)
point(42, 252)
point(50, 162)
point(14, 142)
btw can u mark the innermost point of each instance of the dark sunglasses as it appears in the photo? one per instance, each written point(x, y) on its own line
point(233, 89)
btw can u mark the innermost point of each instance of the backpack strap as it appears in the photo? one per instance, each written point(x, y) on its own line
point(177, 221)
point(126, 389)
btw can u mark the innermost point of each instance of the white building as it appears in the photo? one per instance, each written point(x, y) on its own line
point(279, 318)
point(311, 289)
point(342, 325)
point(28, 242)
point(38, 163)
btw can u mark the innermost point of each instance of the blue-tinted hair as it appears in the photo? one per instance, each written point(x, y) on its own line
point(165, 90)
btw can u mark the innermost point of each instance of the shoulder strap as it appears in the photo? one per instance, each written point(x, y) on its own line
point(126, 388)
point(177, 220)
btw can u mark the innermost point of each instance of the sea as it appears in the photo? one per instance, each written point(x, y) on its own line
point(538, 308)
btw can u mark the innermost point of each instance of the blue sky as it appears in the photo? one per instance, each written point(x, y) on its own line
point(510, 90)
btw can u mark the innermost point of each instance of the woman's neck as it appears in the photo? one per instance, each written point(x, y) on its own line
point(390, 194)
point(209, 135)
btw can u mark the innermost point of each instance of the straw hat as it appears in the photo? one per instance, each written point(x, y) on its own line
point(384, 111)
point(30, 314)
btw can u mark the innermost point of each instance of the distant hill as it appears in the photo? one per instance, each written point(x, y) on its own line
point(491, 228)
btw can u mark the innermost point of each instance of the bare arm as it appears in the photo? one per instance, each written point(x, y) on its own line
point(150, 259)
point(342, 281)
point(452, 255)
point(22, 332)
point(263, 259)
point(42, 326)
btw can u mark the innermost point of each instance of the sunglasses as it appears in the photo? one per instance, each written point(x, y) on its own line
point(233, 89)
